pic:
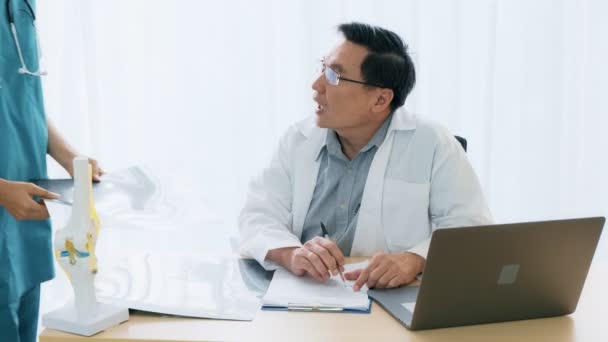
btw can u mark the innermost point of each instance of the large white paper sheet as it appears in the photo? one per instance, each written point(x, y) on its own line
point(156, 251)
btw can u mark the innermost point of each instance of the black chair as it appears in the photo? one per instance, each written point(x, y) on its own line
point(462, 142)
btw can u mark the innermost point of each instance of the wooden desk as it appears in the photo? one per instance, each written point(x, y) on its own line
point(588, 323)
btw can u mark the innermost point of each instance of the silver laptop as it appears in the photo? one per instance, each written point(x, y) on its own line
point(498, 273)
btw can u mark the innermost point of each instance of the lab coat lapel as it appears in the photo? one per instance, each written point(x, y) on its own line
point(305, 178)
point(369, 234)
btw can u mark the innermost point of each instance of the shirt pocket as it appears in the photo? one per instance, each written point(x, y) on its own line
point(405, 214)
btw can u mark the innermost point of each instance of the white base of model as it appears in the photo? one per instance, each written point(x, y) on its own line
point(67, 319)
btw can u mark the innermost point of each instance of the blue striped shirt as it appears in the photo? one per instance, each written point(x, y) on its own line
point(339, 189)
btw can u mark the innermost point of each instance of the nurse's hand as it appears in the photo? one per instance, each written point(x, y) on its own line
point(318, 258)
point(17, 199)
point(64, 154)
point(388, 271)
point(96, 170)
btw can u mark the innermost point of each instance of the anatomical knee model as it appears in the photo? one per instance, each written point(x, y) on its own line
point(75, 244)
point(75, 252)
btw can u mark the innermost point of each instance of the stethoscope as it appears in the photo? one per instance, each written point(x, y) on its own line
point(11, 20)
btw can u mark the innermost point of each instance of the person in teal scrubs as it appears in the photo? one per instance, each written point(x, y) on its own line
point(26, 136)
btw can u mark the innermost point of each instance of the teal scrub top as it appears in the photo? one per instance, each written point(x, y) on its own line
point(26, 257)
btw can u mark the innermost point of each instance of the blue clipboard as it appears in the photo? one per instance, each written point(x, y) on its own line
point(317, 308)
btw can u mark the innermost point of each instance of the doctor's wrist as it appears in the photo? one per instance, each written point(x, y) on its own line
point(281, 256)
point(416, 261)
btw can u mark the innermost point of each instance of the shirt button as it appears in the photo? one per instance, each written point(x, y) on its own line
point(342, 206)
point(349, 170)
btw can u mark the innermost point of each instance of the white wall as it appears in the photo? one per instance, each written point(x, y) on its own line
point(200, 91)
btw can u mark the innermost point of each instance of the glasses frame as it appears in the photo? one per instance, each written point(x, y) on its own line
point(328, 72)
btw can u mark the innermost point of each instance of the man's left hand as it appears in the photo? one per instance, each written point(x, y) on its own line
point(388, 271)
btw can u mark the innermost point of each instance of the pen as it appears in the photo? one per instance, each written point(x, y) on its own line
point(326, 235)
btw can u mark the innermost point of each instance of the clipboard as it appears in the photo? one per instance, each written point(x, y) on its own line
point(133, 184)
point(317, 308)
point(288, 292)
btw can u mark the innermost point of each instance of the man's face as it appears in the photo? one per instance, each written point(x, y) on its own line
point(346, 105)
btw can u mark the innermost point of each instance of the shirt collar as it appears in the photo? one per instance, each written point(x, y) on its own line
point(332, 144)
point(379, 136)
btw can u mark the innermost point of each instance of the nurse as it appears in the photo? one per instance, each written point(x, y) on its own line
point(26, 136)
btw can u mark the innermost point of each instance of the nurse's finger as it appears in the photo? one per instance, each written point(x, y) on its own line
point(40, 192)
point(36, 211)
point(97, 172)
point(46, 210)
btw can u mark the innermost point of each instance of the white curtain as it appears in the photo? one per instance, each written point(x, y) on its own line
point(200, 91)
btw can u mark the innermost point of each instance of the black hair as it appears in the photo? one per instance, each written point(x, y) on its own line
point(387, 64)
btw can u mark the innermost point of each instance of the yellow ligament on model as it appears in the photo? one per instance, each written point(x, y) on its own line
point(96, 224)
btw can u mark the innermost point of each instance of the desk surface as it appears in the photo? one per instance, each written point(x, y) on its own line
point(586, 324)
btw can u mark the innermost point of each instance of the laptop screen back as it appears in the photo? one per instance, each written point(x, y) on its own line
point(505, 272)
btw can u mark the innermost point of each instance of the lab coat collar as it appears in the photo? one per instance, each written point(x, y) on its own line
point(402, 120)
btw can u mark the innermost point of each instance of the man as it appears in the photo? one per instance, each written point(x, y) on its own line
point(25, 231)
point(379, 177)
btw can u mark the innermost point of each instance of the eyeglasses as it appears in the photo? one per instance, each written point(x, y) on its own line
point(11, 20)
point(333, 77)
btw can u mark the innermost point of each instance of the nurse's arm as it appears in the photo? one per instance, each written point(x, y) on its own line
point(64, 154)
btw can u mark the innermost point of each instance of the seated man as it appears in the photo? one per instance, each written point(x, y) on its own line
point(380, 178)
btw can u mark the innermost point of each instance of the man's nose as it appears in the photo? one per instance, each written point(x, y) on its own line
point(319, 84)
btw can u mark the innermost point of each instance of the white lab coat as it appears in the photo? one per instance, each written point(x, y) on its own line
point(420, 179)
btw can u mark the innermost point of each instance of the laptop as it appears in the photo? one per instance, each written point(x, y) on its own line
point(498, 273)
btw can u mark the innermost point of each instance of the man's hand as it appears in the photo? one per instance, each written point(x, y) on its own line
point(388, 271)
point(17, 199)
point(318, 257)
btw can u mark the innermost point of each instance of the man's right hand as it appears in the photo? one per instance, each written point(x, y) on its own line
point(318, 257)
point(17, 199)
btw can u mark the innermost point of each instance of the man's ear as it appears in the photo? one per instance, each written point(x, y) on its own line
point(384, 97)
